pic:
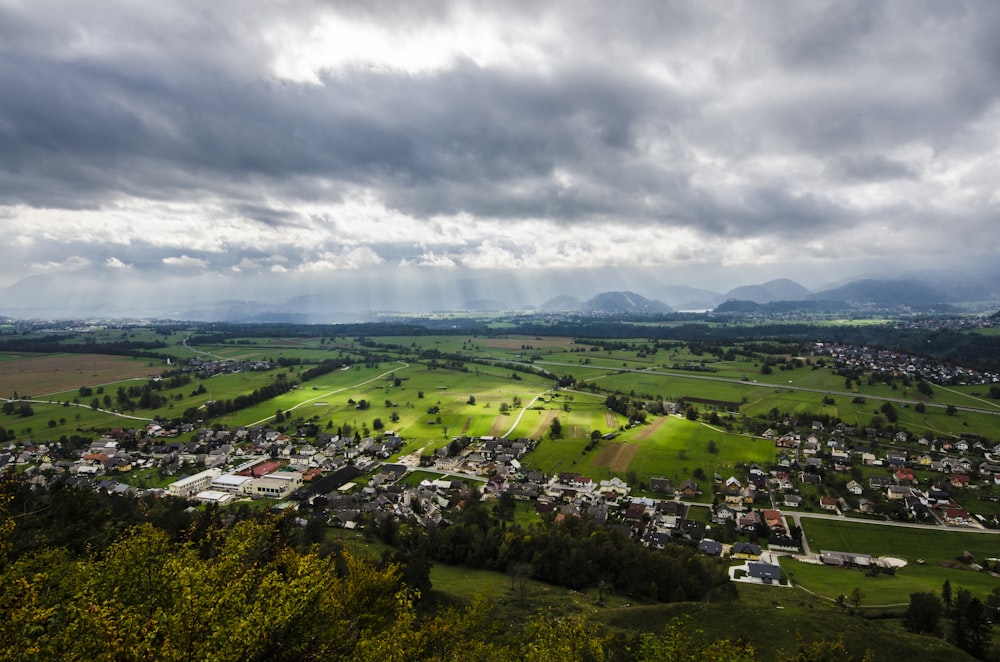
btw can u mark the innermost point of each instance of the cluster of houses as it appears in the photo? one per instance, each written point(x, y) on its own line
point(898, 364)
point(904, 479)
point(204, 368)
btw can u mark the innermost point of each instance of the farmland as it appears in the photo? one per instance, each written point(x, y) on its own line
point(432, 389)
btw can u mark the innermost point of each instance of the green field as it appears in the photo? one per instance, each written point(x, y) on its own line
point(940, 552)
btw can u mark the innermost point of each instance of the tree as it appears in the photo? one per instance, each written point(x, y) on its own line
point(951, 410)
point(923, 616)
point(969, 627)
point(471, 400)
point(377, 424)
point(555, 431)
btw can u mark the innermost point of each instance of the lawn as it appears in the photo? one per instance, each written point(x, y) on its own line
point(940, 551)
point(675, 449)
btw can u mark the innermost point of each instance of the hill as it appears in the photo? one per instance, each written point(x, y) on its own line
point(781, 289)
point(906, 292)
point(625, 303)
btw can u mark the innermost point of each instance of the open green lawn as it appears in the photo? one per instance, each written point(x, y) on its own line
point(670, 447)
point(940, 551)
point(886, 589)
point(774, 619)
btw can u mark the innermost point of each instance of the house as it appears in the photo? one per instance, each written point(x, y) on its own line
point(810, 479)
point(828, 503)
point(764, 572)
point(773, 519)
point(689, 488)
point(854, 487)
point(710, 547)
point(904, 477)
point(937, 497)
point(957, 517)
point(793, 500)
point(694, 529)
point(750, 521)
point(723, 513)
point(745, 550)
point(656, 540)
point(960, 480)
point(662, 485)
point(896, 492)
point(878, 482)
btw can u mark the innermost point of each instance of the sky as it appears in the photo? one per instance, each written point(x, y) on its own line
point(413, 154)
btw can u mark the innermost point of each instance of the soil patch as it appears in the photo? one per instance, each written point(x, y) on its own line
point(616, 456)
point(465, 428)
point(647, 430)
point(40, 375)
point(500, 425)
point(610, 420)
point(544, 423)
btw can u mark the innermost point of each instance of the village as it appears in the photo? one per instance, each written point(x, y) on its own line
point(353, 482)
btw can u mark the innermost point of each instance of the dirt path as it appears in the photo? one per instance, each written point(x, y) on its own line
point(499, 425)
point(616, 456)
point(648, 430)
point(542, 428)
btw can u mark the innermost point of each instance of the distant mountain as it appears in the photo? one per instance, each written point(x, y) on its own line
point(781, 289)
point(625, 303)
point(682, 297)
point(561, 304)
point(870, 291)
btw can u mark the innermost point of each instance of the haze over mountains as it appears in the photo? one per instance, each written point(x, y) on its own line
point(355, 297)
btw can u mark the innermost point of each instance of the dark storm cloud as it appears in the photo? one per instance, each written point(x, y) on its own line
point(874, 168)
point(725, 121)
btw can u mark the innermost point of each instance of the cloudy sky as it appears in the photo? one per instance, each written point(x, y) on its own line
point(266, 149)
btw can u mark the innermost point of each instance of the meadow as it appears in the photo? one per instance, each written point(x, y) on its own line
point(940, 552)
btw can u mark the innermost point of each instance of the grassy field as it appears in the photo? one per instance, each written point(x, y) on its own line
point(669, 447)
point(771, 619)
point(940, 551)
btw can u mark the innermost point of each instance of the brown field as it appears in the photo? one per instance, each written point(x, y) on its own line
point(500, 425)
point(610, 420)
point(41, 375)
point(647, 430)
point(616, 456)
point(544, 423)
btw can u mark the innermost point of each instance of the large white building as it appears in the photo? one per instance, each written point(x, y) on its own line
point(278, 485)
point(186, 487)
point(233, 484)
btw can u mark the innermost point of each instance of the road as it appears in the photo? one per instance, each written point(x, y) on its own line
point(790, 387)
point(796, 515)
point(520, 414)
point(77, 404)
point(334, 391)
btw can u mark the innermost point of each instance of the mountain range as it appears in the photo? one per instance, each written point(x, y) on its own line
point(361, 297)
